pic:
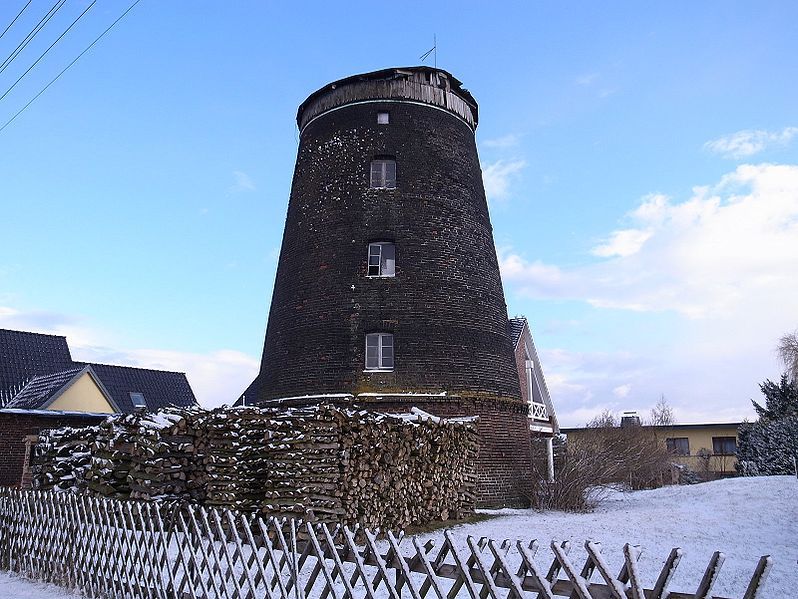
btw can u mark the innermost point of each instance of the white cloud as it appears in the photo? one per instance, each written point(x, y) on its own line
point(52, 323)
point(721, 263)
point(242, 182)
point(748, 142)
point(506, 141)
point(587, 79)
point(498, 177)
point(622, 391)
point(622, 243)
point(730, 246)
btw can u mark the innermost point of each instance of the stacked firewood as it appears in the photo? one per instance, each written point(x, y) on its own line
point(301, 456)
point(411, 470)
point(166, 460)
point(61, 458)
point(112, 456)
point(227, 457)
point(273, 461)
point(317, 463)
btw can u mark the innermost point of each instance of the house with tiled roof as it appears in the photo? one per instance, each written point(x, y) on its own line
point(75, 390)
point(542, 417)
point(41, 387)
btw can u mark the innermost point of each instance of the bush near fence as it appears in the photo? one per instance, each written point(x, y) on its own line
point(320, 463)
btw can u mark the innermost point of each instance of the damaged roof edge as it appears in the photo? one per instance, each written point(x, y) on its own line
point(456, 86)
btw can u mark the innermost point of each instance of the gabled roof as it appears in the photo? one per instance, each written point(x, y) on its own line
point(160, 388)
point(515, 327)
point(518, 329)
point(24, 355)
point(43, 390)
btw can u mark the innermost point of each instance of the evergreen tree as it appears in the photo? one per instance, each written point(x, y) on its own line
point(781, 401)
point(770, 445)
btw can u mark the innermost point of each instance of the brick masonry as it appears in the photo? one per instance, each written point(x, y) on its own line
point(14, 427)
point(445, 306)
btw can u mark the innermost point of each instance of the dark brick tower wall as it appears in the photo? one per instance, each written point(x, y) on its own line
point(445, 305)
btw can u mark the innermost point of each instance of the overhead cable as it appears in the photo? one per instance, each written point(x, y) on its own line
point(15, 19)
point(44, 20)
point(48, 49)
point(66, 68)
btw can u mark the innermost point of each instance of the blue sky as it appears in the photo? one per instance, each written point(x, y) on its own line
point(641, 163)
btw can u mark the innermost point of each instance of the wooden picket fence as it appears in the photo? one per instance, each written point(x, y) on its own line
point(121, 549)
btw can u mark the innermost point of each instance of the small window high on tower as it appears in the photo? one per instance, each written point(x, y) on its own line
point(382, 259)
point(383, 173)
point(379, 351)
point(383, 118)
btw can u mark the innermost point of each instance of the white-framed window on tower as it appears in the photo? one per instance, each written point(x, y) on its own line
point(383, 173)
point(382, 259)
point(379, 351)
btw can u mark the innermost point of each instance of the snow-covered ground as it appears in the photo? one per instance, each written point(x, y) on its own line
point(11, 586)
point(744, 518)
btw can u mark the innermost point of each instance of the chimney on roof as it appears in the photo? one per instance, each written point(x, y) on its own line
point(629, 419)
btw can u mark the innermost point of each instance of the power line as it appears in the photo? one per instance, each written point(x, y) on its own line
point(66, 68)
point(48, 49)
point(44, 20)
point(15, 19)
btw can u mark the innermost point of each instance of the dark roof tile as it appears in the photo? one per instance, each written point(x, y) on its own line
point(24, 355)
point(159, 387)
point(514, 328)
point(41, 389)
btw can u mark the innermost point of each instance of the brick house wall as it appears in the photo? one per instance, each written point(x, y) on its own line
point(16, 426)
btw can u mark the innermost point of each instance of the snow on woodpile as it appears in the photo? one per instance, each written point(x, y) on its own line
point(62, 457)
point(318, 463)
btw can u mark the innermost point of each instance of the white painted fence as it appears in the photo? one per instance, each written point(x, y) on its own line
point(116, 549)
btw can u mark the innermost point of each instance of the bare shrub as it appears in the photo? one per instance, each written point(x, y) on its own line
point(662, 413)
point(603, 457)
point(575, 488)
point(787, 351)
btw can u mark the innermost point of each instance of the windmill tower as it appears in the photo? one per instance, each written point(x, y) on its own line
point(388, 289)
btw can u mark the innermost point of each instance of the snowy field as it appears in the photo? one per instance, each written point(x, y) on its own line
point(744, 518)
point(14, 587)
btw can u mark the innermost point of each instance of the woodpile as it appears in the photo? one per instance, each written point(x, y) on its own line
point(62, 457)
point(320, 463)
point(167, 461)
point(284, 461)
point(112, 456)
point(407, 470)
